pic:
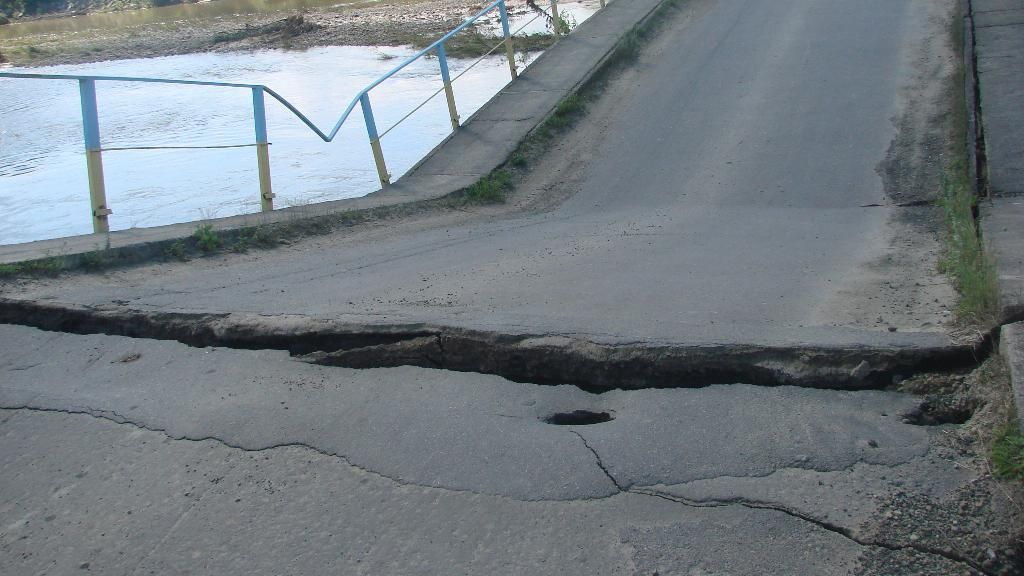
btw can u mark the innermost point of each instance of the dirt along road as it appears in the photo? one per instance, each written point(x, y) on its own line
point(706, 334)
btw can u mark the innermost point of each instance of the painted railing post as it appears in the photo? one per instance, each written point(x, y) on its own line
point(509, 49)
point(371, 131)
point(259, 115)
point(453, 112)
point(94, 156)
point(556, 22)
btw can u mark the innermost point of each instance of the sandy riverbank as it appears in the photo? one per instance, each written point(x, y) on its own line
point(353, 25)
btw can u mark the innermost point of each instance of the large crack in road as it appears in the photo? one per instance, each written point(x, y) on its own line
point(538, 359)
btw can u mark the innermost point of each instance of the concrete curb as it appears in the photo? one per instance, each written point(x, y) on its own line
point(1011, 347)
point(482, 144)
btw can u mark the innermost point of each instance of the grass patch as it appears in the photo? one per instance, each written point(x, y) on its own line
point(95, 260)
point(176, 251)
point(966, 261)
point(490, 189)
point(1007, 453)
point(49, 266)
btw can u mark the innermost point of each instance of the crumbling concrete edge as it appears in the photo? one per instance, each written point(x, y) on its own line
point(1011, 348)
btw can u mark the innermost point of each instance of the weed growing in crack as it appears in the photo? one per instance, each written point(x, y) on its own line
point(176, 251)
point(95, 260)
point(49, 266)
point(490, 189)
point(966, 260)
point(968, 263)
point(567, 112)
point(207, 239)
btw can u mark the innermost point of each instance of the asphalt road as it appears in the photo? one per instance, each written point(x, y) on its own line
point(131, 456)
point(736, 192)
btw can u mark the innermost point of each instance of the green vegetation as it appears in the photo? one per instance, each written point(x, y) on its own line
point(176, 251)
point(568, 111)
point(566, 23)
point(207, 239)
point(95, 260)
point(490, 189)
point(966, 261)
point(1008, 453)
point(49, 266)
point(970, 266)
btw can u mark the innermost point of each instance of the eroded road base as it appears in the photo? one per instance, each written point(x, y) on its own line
point(131, 455)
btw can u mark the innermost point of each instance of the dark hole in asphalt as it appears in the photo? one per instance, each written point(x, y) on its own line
point(578, 418)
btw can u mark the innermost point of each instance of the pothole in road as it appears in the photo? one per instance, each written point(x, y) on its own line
point(579, 418)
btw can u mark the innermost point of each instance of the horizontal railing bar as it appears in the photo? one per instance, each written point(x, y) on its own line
point(179, 147)
point(125, 79)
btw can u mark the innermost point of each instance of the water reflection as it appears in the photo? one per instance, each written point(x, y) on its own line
point(42, 170)
point(43, 186)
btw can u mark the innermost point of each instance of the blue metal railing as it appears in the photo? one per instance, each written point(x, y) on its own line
point(91, 130)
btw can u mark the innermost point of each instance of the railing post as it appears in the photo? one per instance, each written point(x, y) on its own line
point(94, 156)
point(453, 113)
point(259, 115)
point(556, 22)
point(371, 131)
point(509, 49)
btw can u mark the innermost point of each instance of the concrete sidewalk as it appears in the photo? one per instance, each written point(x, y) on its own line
point(999, 53)
point(999, 60)
point(483, 143)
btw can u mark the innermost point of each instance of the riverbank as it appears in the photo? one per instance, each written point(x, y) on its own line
point(370, 24)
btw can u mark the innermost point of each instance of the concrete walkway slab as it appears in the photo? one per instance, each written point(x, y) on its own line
point(1002, 220)
point(999, 49)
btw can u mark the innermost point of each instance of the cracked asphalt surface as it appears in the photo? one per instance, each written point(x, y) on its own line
point(756, 178)
point(162, 458)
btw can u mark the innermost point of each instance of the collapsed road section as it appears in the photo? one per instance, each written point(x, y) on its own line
point(174, 440)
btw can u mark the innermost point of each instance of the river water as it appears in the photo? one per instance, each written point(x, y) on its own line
point(43, 184)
